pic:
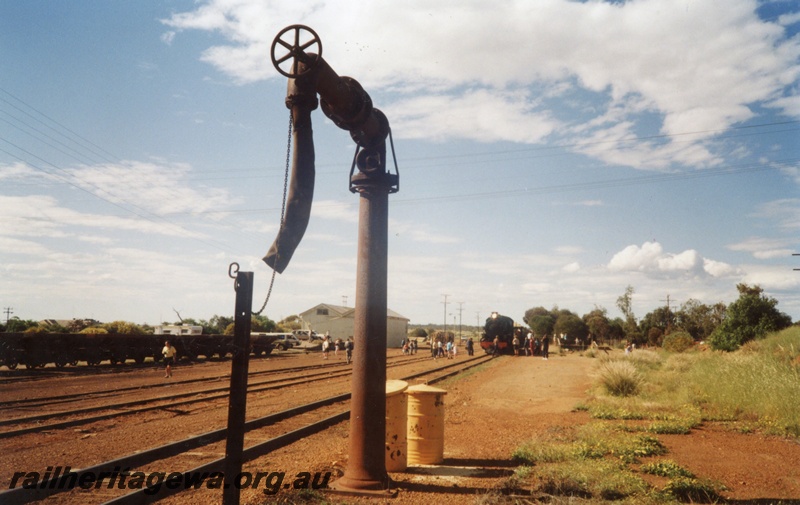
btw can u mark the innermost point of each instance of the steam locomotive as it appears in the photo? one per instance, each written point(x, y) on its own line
point(35, 350)
point(503, 328)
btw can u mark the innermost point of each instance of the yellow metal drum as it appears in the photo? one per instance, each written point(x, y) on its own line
point(396, 416)
point(425, 425)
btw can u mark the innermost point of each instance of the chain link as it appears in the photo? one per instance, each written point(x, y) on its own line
point(283, 209)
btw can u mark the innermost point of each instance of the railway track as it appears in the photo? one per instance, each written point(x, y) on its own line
point(171, 450)
point(181, 399)
point(44, 401)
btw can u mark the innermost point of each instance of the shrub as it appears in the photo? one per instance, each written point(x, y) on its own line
point(36, 329)
point(667, 468)
point(641, 446)
point(747, 385)
point(533, 453)
point(94, 330)
point(677, 342)
point(619, 378)
point(687, 489)
point(752, 316)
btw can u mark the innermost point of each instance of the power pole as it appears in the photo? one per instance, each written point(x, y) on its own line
point(445, 315)
point(8, 311)
point(669, 314)
point(460, 309)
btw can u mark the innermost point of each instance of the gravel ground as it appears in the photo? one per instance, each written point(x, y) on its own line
point(488, 414)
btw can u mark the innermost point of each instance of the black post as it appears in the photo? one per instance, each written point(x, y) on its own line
point(237, 404)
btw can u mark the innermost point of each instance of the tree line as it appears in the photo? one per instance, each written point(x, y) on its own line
point(725, 327)
point(219, 325)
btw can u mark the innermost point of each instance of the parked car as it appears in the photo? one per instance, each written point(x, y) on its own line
point(286, 341)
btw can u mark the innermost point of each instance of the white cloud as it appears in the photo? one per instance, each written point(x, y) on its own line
point(697, 67)
point(16, 171)
point(651, 259)
point(335, 211)
point(155, 188)
point(789, 19)
point(772, 277)
point(763, 248)
point(786, 212)
point(43, 216)
point(168, 37)
point(477, 114)
point(719, 269)
point(10, 245)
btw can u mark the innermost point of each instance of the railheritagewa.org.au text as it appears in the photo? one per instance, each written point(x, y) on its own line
point(62, 477)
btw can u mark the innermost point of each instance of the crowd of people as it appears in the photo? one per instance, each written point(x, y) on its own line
point(338, 345)
point(531, 346)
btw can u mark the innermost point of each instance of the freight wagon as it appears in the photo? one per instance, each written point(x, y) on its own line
point(36, 350)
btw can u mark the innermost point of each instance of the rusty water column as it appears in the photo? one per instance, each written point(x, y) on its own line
point(366, 466)
point(349, 107)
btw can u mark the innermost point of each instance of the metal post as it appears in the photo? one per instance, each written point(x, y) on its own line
point(366, 466)
point(237, 403)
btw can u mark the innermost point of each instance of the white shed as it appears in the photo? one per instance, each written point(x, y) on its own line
point(174, 329)
point(339, 322)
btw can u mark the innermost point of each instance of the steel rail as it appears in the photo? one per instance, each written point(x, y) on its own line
point(150, 495)
point(50, 487)
point(222, 392)
point(49, 400)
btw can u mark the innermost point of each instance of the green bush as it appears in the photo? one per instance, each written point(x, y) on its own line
point(667, 468)
point(619, 378)
point(751, 317)
point(692, 490)
point(677, 342)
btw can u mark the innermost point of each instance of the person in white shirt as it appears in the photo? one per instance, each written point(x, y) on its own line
point(169, 352)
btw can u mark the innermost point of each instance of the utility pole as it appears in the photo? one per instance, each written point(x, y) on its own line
point(669, 315)
point(445, 315)
point(8, 311)
point(460, 310)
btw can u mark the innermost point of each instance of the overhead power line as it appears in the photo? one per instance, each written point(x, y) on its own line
point(84, 151)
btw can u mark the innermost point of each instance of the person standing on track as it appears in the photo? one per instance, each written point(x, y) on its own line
point(326, 344)
point(545, 347)
point(169, 352)
point(348, 350)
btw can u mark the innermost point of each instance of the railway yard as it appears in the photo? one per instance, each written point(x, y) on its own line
point(132, 417)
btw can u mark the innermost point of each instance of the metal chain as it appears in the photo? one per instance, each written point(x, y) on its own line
point(283, 209)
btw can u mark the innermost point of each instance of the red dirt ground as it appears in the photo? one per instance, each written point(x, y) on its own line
point(488, 414)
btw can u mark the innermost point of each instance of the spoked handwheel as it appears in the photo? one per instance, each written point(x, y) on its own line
point(296, 39)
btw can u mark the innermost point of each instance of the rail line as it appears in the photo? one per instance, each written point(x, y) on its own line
point(151, 404)
point(41, 401)
point(149, 495)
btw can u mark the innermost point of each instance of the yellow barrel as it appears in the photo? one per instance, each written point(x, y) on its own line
point(425, 425)
point(396, 417)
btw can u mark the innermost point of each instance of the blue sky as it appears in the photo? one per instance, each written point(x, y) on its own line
point(550, 153)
